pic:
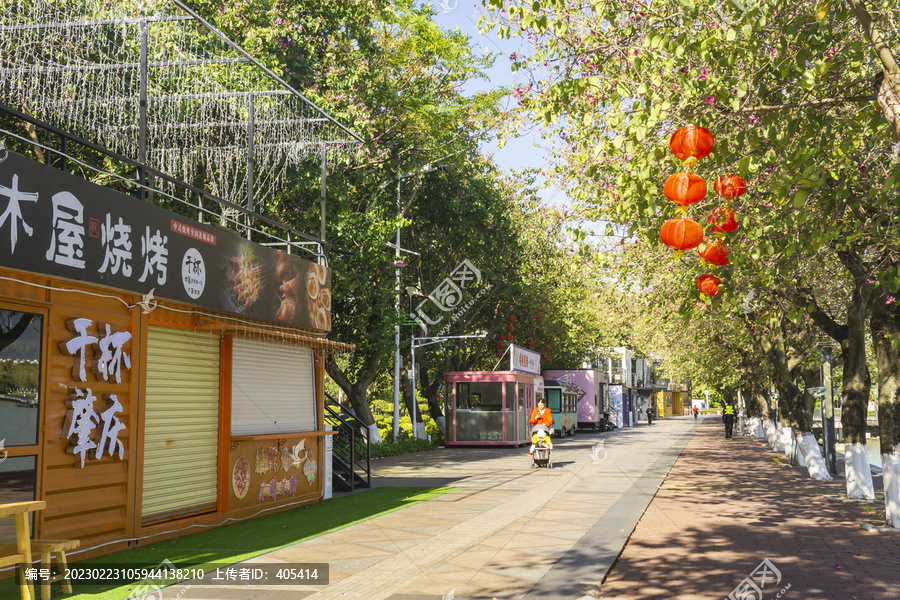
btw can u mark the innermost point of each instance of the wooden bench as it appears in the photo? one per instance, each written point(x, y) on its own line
point(21, 511)
point(47, 548)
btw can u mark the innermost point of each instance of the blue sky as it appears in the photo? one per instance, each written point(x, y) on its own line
point(518, 153)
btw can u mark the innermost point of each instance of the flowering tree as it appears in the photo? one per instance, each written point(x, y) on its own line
point(796, 98)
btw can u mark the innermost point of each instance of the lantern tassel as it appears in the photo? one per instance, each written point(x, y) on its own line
point(681, 210)
point(690, 162)
point(677, 254)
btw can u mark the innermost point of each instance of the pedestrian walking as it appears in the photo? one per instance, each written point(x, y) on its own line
point(696, 410)
point(728, 419)
point(649, 414)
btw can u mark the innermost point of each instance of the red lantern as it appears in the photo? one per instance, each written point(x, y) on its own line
point(499, 354)
point(685, 188)
point(722, 220)
point(510, 328)
point(530, 343)
point(708, 284)
point(681, 234)
point(500, 345)
point(508, 337)
point(511, 319)
point(715, 252)
point(544, 357)
point(691, 142)
point(730, 186)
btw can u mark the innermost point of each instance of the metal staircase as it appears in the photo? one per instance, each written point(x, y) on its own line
point(351, 451)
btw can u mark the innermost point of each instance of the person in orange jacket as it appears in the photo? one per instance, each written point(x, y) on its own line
point(541, 416)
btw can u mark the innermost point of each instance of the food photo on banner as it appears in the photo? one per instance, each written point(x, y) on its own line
point(60, 225)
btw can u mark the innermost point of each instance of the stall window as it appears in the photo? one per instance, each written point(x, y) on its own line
point(20, 377)
point(462, 396)
point(272, 388)
point(21, 334)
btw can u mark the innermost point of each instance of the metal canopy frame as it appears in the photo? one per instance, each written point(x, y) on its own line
point(152, 81)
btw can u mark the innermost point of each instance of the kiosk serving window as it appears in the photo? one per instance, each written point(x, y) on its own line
point(20, 381)
point(273, 388)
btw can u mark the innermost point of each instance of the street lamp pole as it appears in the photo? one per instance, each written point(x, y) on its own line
point(397, 264)
point(419, 342)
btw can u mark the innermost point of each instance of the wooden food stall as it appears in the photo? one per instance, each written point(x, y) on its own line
point(157, 373)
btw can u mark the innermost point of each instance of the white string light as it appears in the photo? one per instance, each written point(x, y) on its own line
point(77, 64)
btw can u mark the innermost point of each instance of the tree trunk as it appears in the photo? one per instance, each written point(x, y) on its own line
point(435, 401)
point(885, 323)
point(806, 441)
point(357, 393)
point(857, 384)
point(887, 87)
point(408, 399)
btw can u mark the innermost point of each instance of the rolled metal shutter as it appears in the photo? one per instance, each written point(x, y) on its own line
point(181, 424)
point(273, 388)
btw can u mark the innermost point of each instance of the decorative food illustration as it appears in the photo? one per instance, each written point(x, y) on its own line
point(288, 287)
point(244, 280)
point(240, 477)
point(291, 278)
point(318, 297)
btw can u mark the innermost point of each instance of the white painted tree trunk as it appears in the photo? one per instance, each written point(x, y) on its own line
point(797, 452)
point(890, 464)
point(771, 431)
point(441, 423)
point(812, 455)
point(372, 430)
point(790, 450)
point(859, 472)
point(756, 428)
point(779, 445)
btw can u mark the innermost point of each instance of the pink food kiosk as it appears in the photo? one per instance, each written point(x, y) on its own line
point(493, 407)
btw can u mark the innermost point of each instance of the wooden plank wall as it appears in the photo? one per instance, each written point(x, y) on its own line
point(99, 504)
point(92, 503)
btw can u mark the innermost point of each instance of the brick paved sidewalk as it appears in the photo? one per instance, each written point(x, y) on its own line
point(727, 505)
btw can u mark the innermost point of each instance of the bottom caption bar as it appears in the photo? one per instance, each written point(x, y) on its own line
point(168, 573)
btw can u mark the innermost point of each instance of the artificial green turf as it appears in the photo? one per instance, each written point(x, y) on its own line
point(239, 541)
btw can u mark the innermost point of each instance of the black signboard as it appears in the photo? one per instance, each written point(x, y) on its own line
point(57, 224)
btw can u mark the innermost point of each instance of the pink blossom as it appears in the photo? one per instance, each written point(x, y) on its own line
point(890, 300)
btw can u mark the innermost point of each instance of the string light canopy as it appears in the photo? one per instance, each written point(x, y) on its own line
point(153, 81)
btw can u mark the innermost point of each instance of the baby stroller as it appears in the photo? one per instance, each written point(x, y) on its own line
point(540, 438)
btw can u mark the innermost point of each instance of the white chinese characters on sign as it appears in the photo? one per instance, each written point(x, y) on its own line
point(116, 240)
point(82, 419)
point(193, 273)
point(156, 256)
point(111, 356)
point(67, 239)
point(13, 212)
point(78, 344)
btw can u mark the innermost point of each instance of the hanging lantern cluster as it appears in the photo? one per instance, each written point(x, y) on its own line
point(690, 144)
